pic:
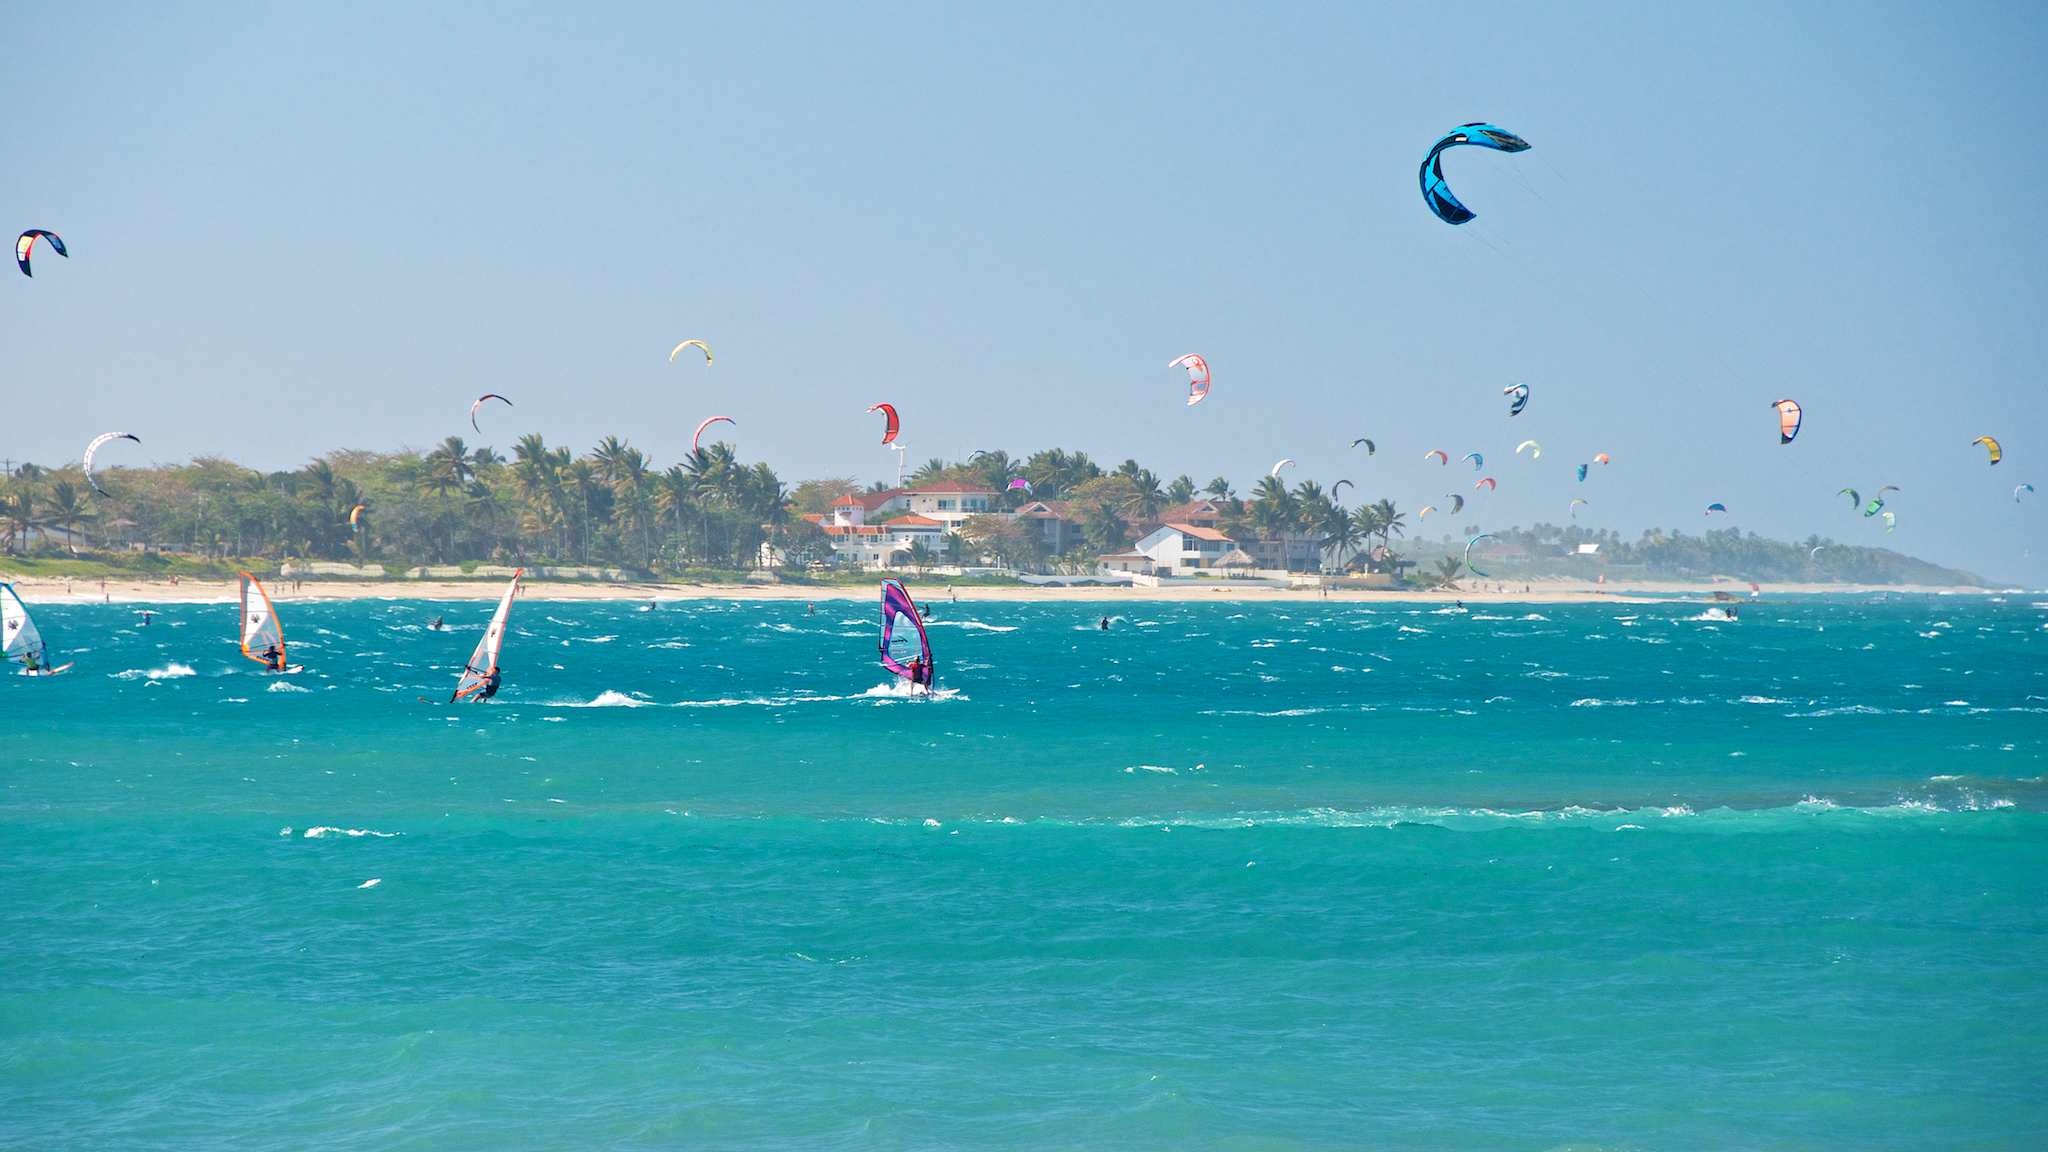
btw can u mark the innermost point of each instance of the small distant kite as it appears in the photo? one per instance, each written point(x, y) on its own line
point(1520, 392)
point(1535, 449)
point(480, 403)
point(1423, 512)
point(1574, 505)
point(1435, 192)
point(94, 447)
point(1789, 416)
point(1020, 484)
point(1485, 482)
point(1468, 553)
point(1582, 473)
point(699, 344)
point(2019, 488)
point(1457, 502)
point(1602, 458)
point(1278, 465)
point(895, 425)
point(1339, 484)
point(1854, 496)
point(1198, 376)
point(1717, 506)
point(26, 243)
point(1891, 521)
point(1442, 457)
point(1477, 460)
point(355, 515)
point(1991, 446)
point(708, 422)
point(1369, 448)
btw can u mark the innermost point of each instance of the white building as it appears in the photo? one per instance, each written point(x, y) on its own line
point(881, 529)
point(1182, 549)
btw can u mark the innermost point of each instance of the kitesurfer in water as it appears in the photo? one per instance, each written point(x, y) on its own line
point(1105, 624)
point(491, 684)
point(437, 625)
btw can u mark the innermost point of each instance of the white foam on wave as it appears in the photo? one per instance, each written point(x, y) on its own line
point(171, 671)
point(1596, 702)
point(975, 625)
point(1152, 768)
point(322, 831)
point(905, 690)
point(1763, 700)
point(605, 699)
point(372, 882)
point(285, 686)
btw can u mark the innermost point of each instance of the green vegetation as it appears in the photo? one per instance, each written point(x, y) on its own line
point(707, 519)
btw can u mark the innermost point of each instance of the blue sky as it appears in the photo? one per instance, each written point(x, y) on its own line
point(298, 227)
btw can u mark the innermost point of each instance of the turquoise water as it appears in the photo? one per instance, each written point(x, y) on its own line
point(1302, 877)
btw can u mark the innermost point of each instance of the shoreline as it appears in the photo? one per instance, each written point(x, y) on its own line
point(58, 590)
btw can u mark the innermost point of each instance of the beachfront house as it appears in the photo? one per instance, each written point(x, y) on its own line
point(1055, 524)
point(1183, 549)
point(876, 530)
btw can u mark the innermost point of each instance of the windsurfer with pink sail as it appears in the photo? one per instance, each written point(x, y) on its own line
point(906, 649)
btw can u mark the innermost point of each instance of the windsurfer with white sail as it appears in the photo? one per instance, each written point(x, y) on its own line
point(481, 677)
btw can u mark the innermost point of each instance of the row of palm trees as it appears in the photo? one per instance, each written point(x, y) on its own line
point(450, 504)
point(611, 505)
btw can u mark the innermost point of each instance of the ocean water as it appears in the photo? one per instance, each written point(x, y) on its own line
point(1313, 876)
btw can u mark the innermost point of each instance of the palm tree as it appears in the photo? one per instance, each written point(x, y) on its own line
point(1146, 500)
point(1389, 522)
point(609, 457)
point(1219, 488)
point(1104, 530)
point(1182, 490)
point(1272, 511)
point(1365, 524)
point(1448, 570)
point(929, 472)
point(67, 511)
point(18, 512)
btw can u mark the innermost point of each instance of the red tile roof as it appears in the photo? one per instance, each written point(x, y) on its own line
point(1200, 533)
point(915, 521)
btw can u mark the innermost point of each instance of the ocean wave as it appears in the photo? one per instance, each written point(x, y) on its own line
point(1763, 700)
point(605, 699)
point(171, 671)
point(975, 625)
point(1809, 811)
point(322, 831)
point(285, 686)
point(1596, 702)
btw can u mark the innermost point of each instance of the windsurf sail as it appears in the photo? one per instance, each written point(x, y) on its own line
point(19, 640)
point(907, 653)
point(261, 633)
point(484, 660)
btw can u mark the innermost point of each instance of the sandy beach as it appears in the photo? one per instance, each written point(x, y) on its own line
point(59, 590)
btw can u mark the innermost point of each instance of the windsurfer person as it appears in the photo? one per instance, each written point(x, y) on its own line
point(273, 659)
point(491, 684)
point(32, 661)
